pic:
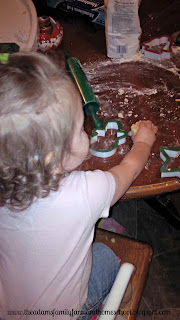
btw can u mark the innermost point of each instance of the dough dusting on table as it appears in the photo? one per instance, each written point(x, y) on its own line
point(150, 88)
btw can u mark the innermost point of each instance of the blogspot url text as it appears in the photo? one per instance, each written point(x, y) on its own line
point(71, 313)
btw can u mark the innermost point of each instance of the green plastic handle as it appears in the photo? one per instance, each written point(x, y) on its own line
point(96, 120)
point(91, 105)
point(4, 58)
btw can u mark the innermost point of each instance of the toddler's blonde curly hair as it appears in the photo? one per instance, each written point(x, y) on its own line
point(37, 106)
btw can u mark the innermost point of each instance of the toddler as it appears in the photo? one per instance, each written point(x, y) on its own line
point(48, 209)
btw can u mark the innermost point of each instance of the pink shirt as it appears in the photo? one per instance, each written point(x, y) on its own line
point(45, 251)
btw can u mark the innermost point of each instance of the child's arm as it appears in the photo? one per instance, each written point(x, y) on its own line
point(135, 160)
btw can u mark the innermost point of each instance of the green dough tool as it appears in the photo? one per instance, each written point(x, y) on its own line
point(91, 106)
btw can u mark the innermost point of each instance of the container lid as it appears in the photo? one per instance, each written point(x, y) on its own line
point(18, 23)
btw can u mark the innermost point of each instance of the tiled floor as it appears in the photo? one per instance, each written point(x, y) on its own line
point(161, 296)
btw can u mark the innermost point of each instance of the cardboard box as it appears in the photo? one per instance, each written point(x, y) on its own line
point(90, 8)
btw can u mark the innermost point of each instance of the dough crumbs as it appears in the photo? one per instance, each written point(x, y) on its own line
point(120, 92)
point(129, 113)
point(113, 240)
point(135, 128)
point(120, 115)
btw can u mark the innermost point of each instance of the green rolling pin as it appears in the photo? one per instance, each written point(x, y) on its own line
point(91, 105)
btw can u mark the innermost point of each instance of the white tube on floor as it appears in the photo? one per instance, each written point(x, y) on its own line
point(117, 291)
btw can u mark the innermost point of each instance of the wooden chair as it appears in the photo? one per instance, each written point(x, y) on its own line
point(136, 253)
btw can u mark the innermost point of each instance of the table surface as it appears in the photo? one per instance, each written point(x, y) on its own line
point(135, 89)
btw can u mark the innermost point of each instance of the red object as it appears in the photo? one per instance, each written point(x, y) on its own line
point(47, 42)
point(46, 37)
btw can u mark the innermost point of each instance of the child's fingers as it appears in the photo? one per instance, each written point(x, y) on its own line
point(144, 131)
point(149, 122)
point(142, 124)
point(155, 129)
point(149, 125)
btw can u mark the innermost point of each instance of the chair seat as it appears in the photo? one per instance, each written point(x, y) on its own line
point(135, 252)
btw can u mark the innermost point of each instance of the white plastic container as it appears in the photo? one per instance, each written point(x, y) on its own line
point(18, 23)
point(122, 27)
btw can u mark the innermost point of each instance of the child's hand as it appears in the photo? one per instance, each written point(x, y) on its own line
point(146, 133)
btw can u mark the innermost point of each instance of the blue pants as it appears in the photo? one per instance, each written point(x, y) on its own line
point(105, 266)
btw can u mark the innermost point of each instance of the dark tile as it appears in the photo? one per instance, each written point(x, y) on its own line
point(156, 231)
point(142, 205)
point(167, 207)
point(168, 314)
point(125, 212)
point(162, 287)
point(144, 312)
point(175, 198)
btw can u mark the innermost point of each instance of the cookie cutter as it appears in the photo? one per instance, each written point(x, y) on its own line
point(166, 153)
point(100, 132)
point(163, 53)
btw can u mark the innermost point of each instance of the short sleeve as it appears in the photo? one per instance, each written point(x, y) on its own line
point(100, 190)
